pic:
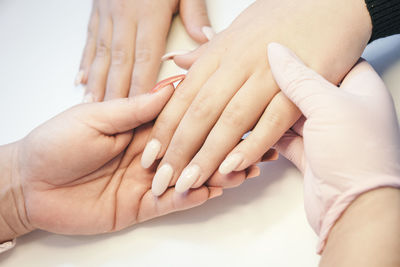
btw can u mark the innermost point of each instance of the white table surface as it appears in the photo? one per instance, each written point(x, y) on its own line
point(261, 223)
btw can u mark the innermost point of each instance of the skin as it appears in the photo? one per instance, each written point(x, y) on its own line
point(229, 89)
point(80, 172)
point(125, 42)
point(350, 159)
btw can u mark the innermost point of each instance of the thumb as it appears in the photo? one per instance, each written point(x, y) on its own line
point(195, 18)
point(124, 114)
point(186, 61)
point(304, 87)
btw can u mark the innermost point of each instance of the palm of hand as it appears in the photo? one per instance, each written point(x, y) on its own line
point(95, 185)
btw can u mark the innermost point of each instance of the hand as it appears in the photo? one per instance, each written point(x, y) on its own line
point(229, 90)
point(125, 42)
point(347, 144)
point(79, 173)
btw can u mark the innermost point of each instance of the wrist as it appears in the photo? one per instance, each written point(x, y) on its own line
point(368, 227)
point(13, 218)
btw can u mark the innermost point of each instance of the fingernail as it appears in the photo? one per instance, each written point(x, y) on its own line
point(88, 98)
point(78, 78)
point(230, 163)
point(215, 192)
point(171, 55)
point(150, 153)
point(166, 82)
point(208, 32)
point(161, 179)
point(188, 177)
point(270, 155)
point(253, 172)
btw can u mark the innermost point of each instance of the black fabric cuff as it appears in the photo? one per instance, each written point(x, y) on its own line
point(385, 16)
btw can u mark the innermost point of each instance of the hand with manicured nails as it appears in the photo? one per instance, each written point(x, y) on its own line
point(126, 40)
point(80, 172)
point(348, 141)
point(229, 89)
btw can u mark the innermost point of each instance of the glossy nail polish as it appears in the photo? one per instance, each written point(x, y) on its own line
point(230, 163)
point(161, 179)
point(171, 55)
point(253, 172)
point(208, 32)
point(188, 177)
point(167, 81)
point(78, 78)
point(150, 153)
point(88, 98)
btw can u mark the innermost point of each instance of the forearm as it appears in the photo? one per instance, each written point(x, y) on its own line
point(13, 220)
point(368, 233)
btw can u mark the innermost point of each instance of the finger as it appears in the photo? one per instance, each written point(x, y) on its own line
point(89, 51)
point(298, 127)
point(121, 115)
point(185, 61)
point(233, 179)
point(195, 18)
point(122, 57)
point(99, 68)
point(291, 146)
point(278, 117)
point(307, 89)
point(169, 202)
point(239, 116)
point(168, 120)
point(150, 45)
point(197, 122)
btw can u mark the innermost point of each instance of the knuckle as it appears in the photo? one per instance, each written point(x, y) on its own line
point(199, 110)
point(233, 118)
point(102, 49)
point(119, 56)
point(274, 120)
point(143, 55)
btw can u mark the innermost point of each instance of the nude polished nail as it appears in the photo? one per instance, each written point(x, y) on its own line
point(88, 98)
point(188, 177)
point(78, 78)
point(165, 82)
point(208, 32)
point(161, 179)
point(171, 55)
point(150, 153)
point(230, 163)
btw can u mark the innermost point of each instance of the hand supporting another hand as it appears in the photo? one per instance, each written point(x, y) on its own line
point(229, 90)
point(349, 141)
point(80, 172)
point(125, 42)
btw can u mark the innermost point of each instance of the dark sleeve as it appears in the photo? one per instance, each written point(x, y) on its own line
point(385, 16)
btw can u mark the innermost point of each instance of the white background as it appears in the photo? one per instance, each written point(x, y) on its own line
point(262, 223)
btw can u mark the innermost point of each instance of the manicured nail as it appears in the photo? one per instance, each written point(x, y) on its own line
point(170, 80)
point(78, 78)
point(188, 177)
point(171, 55)
point(88, 98)
point(208, 32)
point(161, 179)
point(253, 172)
point(215, 192)
point(150, 153)
point(270, 155)
point(230, 163)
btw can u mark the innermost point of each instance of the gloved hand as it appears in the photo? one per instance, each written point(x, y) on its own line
point(346, 144)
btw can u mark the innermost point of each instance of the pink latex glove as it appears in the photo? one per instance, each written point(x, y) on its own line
point(348, 142)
